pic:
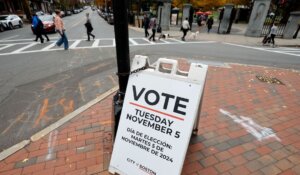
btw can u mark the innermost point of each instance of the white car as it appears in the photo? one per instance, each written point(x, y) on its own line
point(11, 21)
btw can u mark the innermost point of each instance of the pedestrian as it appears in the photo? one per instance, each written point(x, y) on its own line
point(59, 27)
point(44, 33)
point(209, 24)
point(89, 27)
point(146, 25)
point(185, 27)
point(273, 33)
point(153, 26)
point(37, 27)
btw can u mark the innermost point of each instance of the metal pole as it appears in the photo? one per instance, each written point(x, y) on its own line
point(123, 60)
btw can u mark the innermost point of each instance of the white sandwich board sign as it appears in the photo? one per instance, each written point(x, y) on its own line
point(158, 115)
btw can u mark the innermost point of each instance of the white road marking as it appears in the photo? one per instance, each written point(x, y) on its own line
point(24, 48)
point(176, 40)
point(26, 39)
point(293, 51)
point(162, 40)
point(133, 42)
point(7, 46)
point(114, 43)
point(48, 47)
point(263, 49)
point(96, 43)
point(281, 48)
point(16, 43)
point(75, 44)
point(10, 37)
point(147, 40)
point(261, 133)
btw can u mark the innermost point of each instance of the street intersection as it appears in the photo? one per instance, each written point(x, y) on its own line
point(41, 83)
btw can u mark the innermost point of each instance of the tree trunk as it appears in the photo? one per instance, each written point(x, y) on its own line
point(26, 9)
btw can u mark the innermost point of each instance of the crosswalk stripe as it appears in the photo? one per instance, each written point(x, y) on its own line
point(25, 47)
point(96, 43)
point(75, 44)
point(148, 41)
point(26, 39)
point(133, 42)
point(165, 41)
point(176, 40)
point(21, 48)
point(49, 46)
point(7, 46)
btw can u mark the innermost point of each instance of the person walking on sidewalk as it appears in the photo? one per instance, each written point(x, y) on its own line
point(209, 24)
point(59, 27)
point(273, 33)
point(89, 27)
point(153, 26)
point(185, 28)
point(146, 25)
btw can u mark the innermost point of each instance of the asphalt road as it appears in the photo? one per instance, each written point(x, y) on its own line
point(38, 86)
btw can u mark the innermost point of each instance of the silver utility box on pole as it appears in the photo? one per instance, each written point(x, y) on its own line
point(159, 113)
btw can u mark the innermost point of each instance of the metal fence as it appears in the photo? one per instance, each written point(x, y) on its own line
point(268, 24)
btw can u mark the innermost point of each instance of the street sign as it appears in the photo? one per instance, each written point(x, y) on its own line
point(158, 115)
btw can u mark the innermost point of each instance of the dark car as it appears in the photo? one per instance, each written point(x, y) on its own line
point(110, 18)
point(75, 11)
point(105, 15)
point(49, 26)
point(1, 27)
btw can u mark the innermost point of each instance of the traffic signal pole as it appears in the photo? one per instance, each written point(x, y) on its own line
point(122, 52)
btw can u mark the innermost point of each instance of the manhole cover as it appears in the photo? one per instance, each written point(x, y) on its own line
point(267, 79)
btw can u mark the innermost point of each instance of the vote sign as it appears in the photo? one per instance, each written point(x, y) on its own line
point(156, 123)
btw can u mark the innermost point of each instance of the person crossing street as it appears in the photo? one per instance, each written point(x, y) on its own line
point(59, 27)
point(89, 27)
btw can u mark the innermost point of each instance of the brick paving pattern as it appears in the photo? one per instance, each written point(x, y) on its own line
point(246, 127)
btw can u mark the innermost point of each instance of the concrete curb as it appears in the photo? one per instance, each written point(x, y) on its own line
point(13, 149)
point(4, 154)
point(70, 116)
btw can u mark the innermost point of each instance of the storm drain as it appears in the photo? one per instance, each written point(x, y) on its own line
point(267, 79)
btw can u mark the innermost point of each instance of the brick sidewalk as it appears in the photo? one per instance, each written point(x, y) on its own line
point(246, 127)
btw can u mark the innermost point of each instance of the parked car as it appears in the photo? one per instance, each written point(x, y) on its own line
point(110, 18)
point(49, 26)
point(68, 13)
point(75, 11)
point(62, 14)
point(11, 21)
point(105, 15)
point(39, 13)
point(1, 27)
